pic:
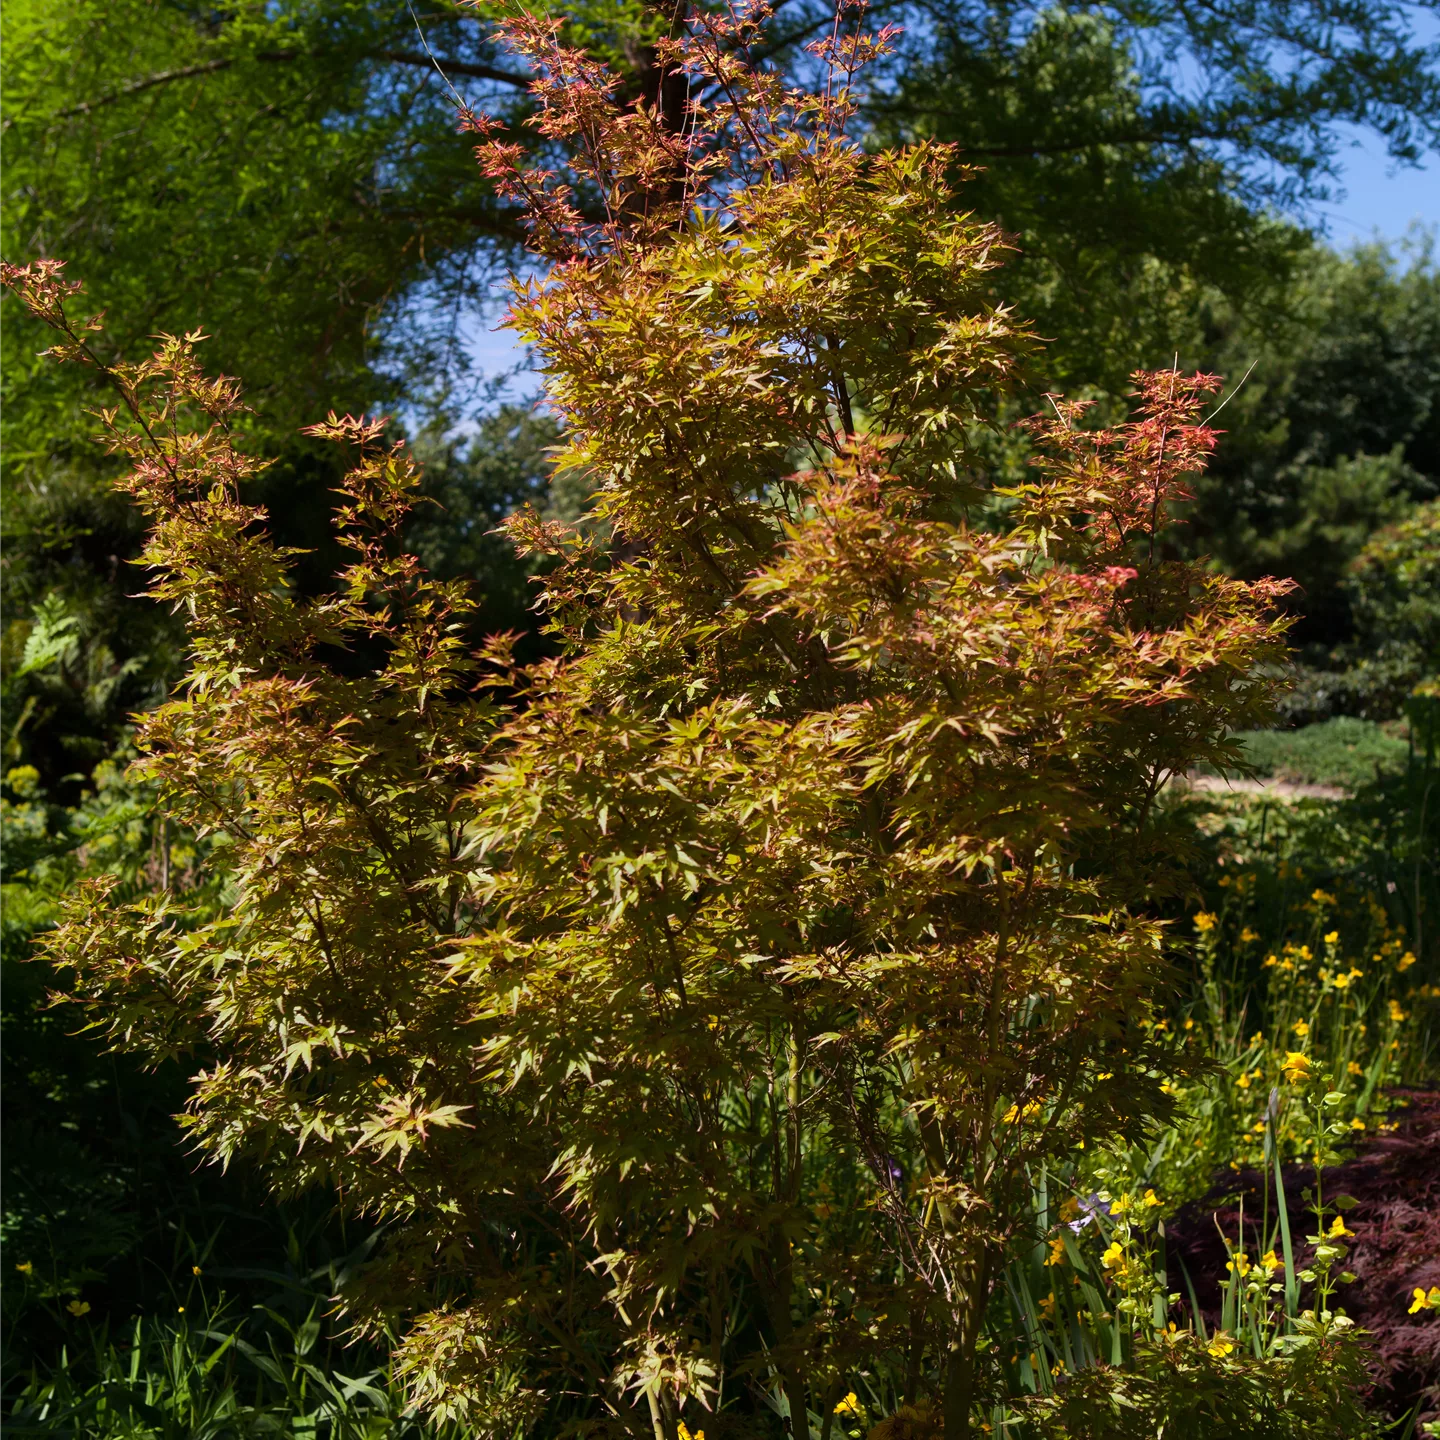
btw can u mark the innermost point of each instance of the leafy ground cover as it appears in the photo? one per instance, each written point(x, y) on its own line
point(1345, 752)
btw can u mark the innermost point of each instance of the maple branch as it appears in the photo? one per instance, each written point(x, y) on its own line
point(165, 77)
point(467, 68)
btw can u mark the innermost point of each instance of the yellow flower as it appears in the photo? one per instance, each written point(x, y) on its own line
point(1248, 936)
point(1357, 1123)
point(1353, 1069)
point(196, 1270)
point(26, 1267)
point(1221, 1345)
point(1333, 938)
point(1120, 1206)
point(1297, 1067)
point(850, 1405)
point(1243, 1080)
point(1057, 1252)
point(1405, 962)
point(1204, 922)
point(78, 1307)
point(1301, 1028)
point(1152, 1199)
point(1239, 1262)
point(1015, 1113)
point(1047, 1306)
point(1189, 1024)
point(1422, 1301)
point(1270, 1261)
point(1341, 981)
point(1114, 1257)
point(1337, 1230)
point(1397, 1013)
point(1321, 898)
point(1071, 1208)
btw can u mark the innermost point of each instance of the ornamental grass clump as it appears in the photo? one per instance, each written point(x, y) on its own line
point(690, 1010)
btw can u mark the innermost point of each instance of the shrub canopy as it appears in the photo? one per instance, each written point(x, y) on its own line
point(693, 1008)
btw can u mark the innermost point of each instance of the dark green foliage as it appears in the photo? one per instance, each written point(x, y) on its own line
point(202, 1366)
point(1393, 652)
point(102, 1202)
point(1335, 434)
point(1394, 587)
point(473, 483)
point(1392, 663)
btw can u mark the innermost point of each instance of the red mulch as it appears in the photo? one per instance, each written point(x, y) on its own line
point(1396, 1179)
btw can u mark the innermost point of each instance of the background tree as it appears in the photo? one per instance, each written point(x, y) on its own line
point(1145, 162)
point(286, 178)
point(1139, 155)
point(1337, 432)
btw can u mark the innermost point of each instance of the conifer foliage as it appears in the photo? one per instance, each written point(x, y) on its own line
point(692, 1009)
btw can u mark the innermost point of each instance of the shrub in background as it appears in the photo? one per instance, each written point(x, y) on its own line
point(1394, 586)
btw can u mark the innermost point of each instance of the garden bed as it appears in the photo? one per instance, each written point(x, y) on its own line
point(1395, 1178)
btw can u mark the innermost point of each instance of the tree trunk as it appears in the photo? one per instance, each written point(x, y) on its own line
point(959, 1384)
point(778, 1285)
point(969, 1316)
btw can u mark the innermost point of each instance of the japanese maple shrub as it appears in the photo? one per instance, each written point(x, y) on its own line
point(691, 1009)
